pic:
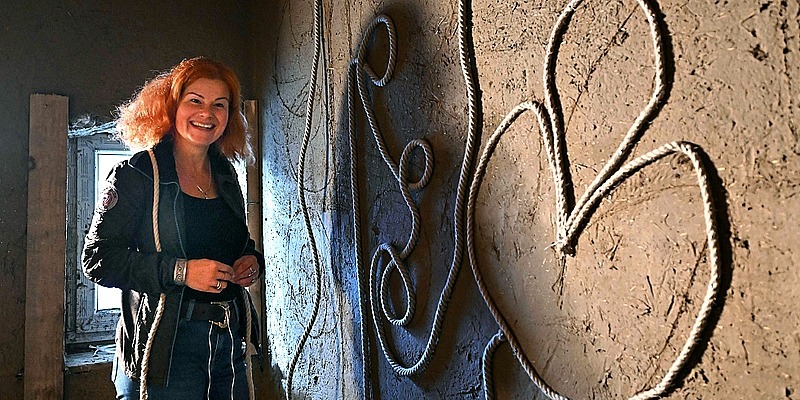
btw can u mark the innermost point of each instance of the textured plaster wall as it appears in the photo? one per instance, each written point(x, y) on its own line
point(97, 53)
point(610, 323)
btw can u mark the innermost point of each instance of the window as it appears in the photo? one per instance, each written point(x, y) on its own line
point(92, 311)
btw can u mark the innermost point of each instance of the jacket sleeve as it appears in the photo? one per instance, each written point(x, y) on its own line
point(250, 249)
point(111, 255)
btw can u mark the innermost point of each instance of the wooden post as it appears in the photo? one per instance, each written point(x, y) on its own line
point(253, 200)
point(46, 248)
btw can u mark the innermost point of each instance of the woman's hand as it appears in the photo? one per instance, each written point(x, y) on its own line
point(245, 271)
point(208, 275)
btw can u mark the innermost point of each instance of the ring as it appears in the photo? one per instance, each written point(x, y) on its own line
point(219, 285)
point(252, 271)
point(253, 280)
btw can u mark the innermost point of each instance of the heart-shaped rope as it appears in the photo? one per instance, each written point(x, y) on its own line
point(570, 223)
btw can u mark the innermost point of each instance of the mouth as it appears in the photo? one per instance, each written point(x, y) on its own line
point(202, 125)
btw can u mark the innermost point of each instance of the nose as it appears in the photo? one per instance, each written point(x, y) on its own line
point(205, 110)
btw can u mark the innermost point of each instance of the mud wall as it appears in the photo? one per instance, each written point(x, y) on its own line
point(97, 53)
point(608, 321)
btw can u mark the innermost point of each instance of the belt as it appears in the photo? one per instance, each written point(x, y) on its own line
point(215, 312)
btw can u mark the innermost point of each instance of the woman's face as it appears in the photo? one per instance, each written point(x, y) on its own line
point(202, 113)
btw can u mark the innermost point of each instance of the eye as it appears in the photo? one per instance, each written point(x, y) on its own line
point(194, 100)
point(221, 106)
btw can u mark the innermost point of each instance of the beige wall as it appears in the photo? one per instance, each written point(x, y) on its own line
point(614, 322)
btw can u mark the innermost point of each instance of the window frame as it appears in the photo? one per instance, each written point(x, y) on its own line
point(84, 324)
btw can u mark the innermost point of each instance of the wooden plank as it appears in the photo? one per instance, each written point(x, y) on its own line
point(46, 248)
point(254, 212)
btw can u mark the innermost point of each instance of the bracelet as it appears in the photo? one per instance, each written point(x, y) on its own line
point(179, 275)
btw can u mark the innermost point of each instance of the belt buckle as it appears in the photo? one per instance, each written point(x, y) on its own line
point(227, 308)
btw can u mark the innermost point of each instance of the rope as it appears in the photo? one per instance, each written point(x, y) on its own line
point(570, 223)
point(162, 298)
point(480, 171)
point(488, 356)
point(250, 350)
point(358, 68)
point(302, 195)
point(362, 288)
point(637, 128)
point(354, 75)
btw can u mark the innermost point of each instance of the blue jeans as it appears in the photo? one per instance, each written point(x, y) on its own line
point(207, 363)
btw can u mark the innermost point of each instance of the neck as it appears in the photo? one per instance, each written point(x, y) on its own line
point(194, 158)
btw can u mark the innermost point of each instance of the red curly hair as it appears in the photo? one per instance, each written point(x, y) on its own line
point(149, 116)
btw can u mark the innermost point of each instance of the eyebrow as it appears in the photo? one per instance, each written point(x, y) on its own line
point(201, 96)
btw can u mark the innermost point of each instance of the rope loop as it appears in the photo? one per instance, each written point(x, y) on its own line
point(362, 50)
point(404, 161)
point(357, 83)
point(395, 263)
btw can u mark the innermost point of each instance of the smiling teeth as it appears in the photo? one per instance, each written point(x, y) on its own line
point(206, 126)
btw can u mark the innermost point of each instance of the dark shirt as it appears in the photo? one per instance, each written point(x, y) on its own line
point(212, 232)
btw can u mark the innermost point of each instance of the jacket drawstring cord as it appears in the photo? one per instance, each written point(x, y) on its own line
point(162, 298)
point(250, 349)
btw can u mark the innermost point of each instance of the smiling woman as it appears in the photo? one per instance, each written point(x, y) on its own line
point(171, 233)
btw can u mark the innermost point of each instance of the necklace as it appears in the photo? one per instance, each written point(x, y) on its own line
point(205, 195)
point(200, 189)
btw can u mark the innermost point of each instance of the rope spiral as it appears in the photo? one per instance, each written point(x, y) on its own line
point(570, 222)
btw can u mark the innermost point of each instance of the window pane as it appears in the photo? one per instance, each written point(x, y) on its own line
point(106, 298)
point(241, 172)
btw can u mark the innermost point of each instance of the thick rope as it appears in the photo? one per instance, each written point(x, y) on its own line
point(486, 363)
point(366, 365)
point(480, 171)
point(639, 125)
point(569, 224)
point(162, 298)
point(397, 259)
point(250, 350)
point(302, 195)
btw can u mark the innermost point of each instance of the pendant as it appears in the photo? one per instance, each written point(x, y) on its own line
point(203, 192)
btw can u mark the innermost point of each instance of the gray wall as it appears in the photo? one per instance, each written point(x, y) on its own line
point(97, 53)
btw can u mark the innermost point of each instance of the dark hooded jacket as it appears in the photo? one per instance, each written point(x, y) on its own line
point(120, 251)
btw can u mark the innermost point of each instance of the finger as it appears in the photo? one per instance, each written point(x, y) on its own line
point(244, 263)
point(245, 271)
point(224, 272)
point(245, 279)
point(225, 276)
point(224, 268)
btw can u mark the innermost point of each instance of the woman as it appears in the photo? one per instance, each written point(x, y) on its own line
point(184, 307)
